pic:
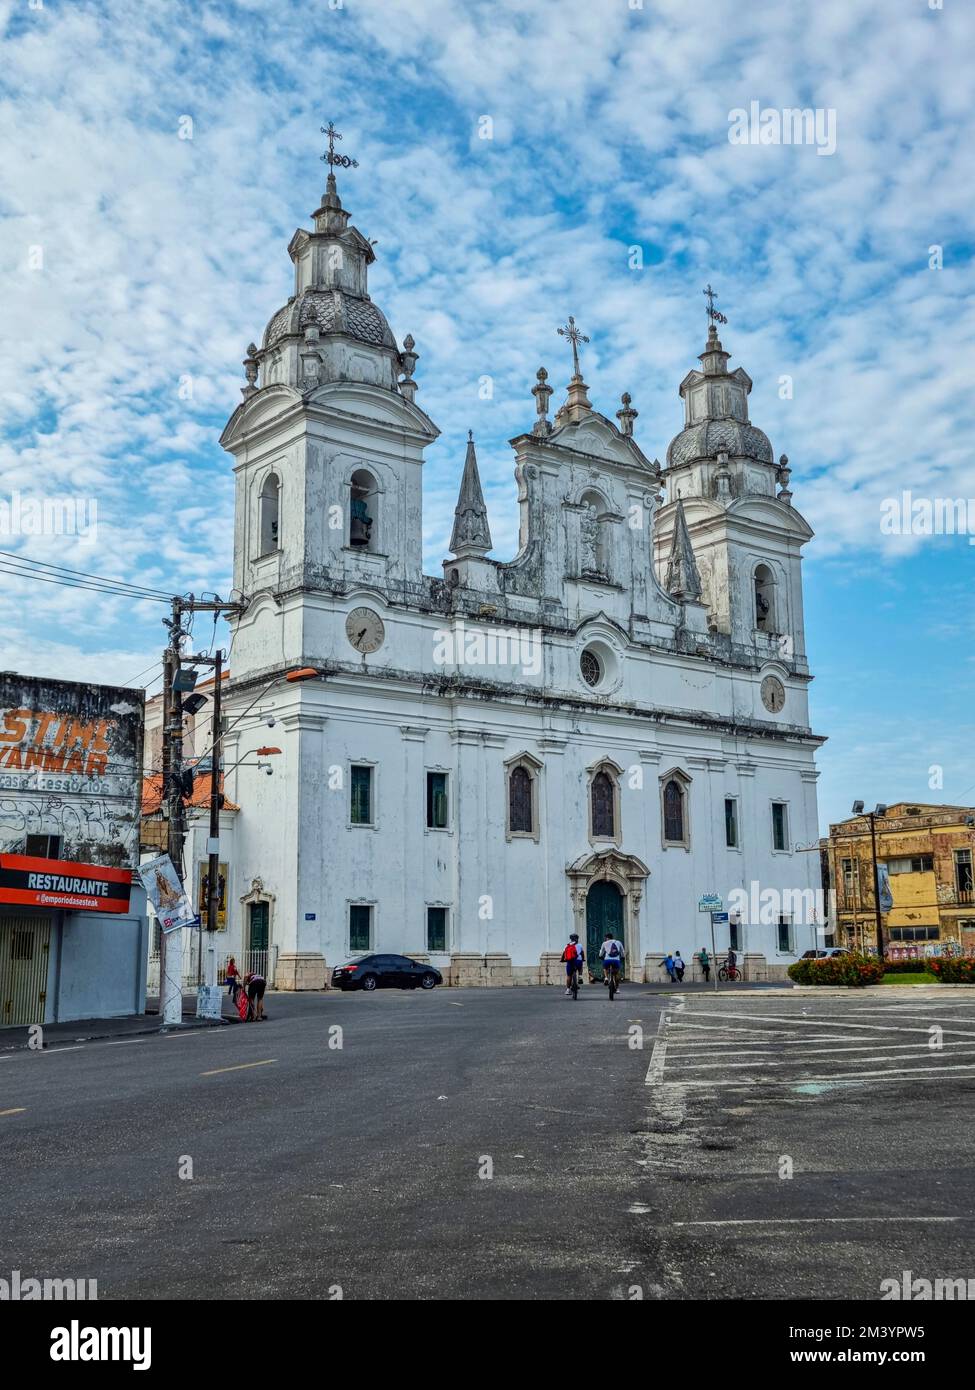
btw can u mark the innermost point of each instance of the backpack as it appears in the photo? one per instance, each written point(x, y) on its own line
point(614, 950)
point(571, 952)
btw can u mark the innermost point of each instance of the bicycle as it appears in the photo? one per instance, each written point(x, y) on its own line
point(612, 972)
point(574, 981)
point(730, 972)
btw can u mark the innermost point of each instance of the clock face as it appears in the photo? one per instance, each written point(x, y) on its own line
point(365, 630)
point(773, 694)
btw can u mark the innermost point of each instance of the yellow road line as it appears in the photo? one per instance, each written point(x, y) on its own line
point(19, 1111)
point(241, 1066)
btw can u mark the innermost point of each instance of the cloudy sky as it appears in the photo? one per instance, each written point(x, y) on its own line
point(136, 264)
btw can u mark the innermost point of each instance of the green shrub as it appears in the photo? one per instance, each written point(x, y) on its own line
point(955, 970)
point(906, 967)
point(854, 971)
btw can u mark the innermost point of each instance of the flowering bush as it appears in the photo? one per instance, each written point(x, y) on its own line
point(850, 969)
point(957, 970)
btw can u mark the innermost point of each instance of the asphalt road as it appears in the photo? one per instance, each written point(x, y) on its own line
point(502, 1143)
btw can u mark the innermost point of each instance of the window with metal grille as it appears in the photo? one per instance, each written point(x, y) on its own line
point(603, 810)
point(674, 812)
point(780, 825)
point(436, 929)
point(436, 801)
point(361, 795)
point(785, 934)
point(360, 926)
point(963, 870)
point(22, 946)
point(590, 667)
point(521, 817)
point(731, 822)
point(44, 846)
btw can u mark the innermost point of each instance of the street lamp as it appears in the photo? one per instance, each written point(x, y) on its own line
point(878, 812)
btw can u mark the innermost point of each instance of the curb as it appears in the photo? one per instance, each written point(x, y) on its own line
point(188, 1025)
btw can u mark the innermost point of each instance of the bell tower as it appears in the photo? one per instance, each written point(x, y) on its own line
point(727, 495)
point(328, 440)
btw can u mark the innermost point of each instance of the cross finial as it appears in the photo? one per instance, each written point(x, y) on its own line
point(332, 159)
point(575, 337)
point(712, 312)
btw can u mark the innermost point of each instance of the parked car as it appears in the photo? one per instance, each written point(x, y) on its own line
point(820, 955)
point(385, 972)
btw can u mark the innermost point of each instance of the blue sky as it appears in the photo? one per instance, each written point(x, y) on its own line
point(162, 257)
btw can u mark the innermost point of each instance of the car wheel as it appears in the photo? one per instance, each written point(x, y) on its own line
point(428, 981)
point(369, 982)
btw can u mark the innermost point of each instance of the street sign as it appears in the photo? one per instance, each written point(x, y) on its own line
point(710, 902)
point(720, 919)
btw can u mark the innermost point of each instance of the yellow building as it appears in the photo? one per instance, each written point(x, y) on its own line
point(925, 854)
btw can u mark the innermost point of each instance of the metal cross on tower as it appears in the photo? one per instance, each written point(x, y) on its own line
point(575, 337)
point(332, 159)
point(713, 314)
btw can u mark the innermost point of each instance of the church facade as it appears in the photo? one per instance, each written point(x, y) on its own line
point(586, 737)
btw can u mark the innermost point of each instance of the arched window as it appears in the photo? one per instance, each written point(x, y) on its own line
point(521, 808)
point(269, 504)
point(363, 507)
point(674, 812)
point(603, 793)
point(765, 599)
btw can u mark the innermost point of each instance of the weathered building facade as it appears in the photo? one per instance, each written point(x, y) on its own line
point(73, 928)
point(927, 854)
point(588, 736)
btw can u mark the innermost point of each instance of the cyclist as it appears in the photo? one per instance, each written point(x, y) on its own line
point(573, 956)
point(611, 954)
point(731, 964)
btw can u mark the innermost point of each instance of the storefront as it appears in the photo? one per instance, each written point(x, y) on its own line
point(73, 926)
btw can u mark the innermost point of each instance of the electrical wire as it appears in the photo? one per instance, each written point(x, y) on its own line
point(10, 555)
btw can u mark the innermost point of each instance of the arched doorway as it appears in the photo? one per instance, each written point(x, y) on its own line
point(604, 913)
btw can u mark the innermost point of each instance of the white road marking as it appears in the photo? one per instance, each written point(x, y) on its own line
point(821, 1023)
point(241, 1066)
point(757, 1079)
point(853, 1061)
point(125, 1042)
point(658, 1056)
point(824, 1220)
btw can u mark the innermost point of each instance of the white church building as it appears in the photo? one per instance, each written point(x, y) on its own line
point(588, 736)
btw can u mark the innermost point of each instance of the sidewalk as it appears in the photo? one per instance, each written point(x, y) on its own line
point(90, 1029)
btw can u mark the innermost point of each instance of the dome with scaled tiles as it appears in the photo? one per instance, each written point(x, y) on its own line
point(737, 438)
point(330, 311)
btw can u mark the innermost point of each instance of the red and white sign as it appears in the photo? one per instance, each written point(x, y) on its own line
point(62, 883)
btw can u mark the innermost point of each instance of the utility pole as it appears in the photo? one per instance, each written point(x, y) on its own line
point(171, 962)
point(213, 873)
point(876, 886)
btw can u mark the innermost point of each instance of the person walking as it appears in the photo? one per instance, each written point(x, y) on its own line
point(704, 960)
point(679, 967)
point(233, 980)
point(668, 965)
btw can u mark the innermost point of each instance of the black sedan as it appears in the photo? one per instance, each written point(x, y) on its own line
point(386, 972)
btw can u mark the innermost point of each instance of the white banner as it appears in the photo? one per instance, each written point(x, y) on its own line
point(166, 893)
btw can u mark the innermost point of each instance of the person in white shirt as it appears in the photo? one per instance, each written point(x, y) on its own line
point(611, 954)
